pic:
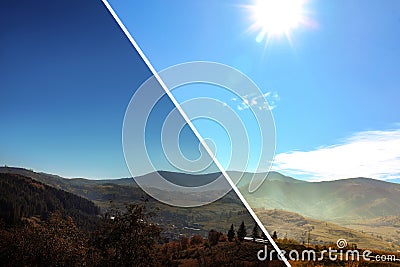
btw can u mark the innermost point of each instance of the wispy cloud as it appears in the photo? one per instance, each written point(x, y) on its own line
point(372, 154)
point(256, 101)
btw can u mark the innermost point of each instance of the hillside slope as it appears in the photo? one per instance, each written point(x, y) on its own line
point(360, 208)
point(337, 201)
point(24, 197)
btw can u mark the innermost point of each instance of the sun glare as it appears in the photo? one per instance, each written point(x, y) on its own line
point(275, 18)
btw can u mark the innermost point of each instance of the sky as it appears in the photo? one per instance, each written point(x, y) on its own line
point(334, 82)
point(68, 73)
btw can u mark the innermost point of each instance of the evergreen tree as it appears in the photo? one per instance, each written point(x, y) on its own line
point(254, 234)
point(274, 236)
point(241, 233)
point(231, 234)
point(263, 236)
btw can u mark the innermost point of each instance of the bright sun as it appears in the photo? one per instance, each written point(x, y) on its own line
point(275, 18)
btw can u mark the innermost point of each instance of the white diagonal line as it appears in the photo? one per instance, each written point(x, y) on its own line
point(186, 118)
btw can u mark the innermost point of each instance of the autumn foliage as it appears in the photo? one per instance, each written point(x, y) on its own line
point(124, 239)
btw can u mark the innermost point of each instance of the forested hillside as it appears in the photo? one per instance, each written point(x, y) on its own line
point(22, 197)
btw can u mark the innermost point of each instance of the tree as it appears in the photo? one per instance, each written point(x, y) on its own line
point(254, 234)
point(274, 236)
point(196, 240)
point(213, 237)
point(263, 236)
point(127, 238)
point(231, 234)
point(241, 233)
point(184, 242)
point(56, 242)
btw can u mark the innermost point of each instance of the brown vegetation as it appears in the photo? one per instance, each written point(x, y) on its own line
point(124, 239)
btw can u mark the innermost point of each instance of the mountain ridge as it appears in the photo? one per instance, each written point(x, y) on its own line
point(325, 200)
point(361, 204)
point(24, 197)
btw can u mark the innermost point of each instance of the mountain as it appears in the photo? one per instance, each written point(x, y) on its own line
point(119, 191)
point(337, 201)
point(276, 176)
point(23, 197)
point(364, 205)
point(186, 179)
point(174, 220)
point(362, 209)
point(101, 192)
point(347, 199)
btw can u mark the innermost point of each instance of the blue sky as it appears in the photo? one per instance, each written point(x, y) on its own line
point(68, 73)
point(334, 81)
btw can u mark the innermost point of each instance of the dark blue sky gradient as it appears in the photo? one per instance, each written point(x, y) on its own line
point(67, 75)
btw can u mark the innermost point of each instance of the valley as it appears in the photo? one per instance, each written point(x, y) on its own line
point(363, 211)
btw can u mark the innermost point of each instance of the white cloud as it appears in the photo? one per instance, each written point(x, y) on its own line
point(372, 154)
point(254, 100)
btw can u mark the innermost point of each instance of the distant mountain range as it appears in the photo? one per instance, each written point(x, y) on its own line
point(336, 201)
point(354, 198)
point(368, 208)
